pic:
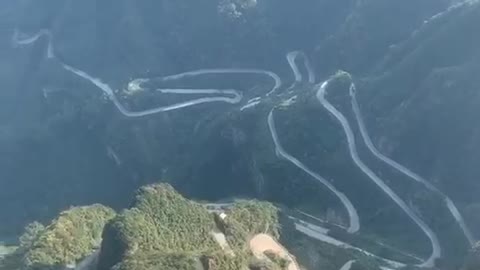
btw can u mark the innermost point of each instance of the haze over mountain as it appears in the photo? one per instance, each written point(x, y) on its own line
point(360, 113)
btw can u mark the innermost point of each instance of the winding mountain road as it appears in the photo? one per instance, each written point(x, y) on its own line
point(291, 59)
point(136, 84)
point(392, 163)
point(233, 96)
point(347, 265)
point(352, 212)
point(436, 249)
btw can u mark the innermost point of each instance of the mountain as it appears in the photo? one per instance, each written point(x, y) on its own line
point(359, 114)
point(162, 230)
